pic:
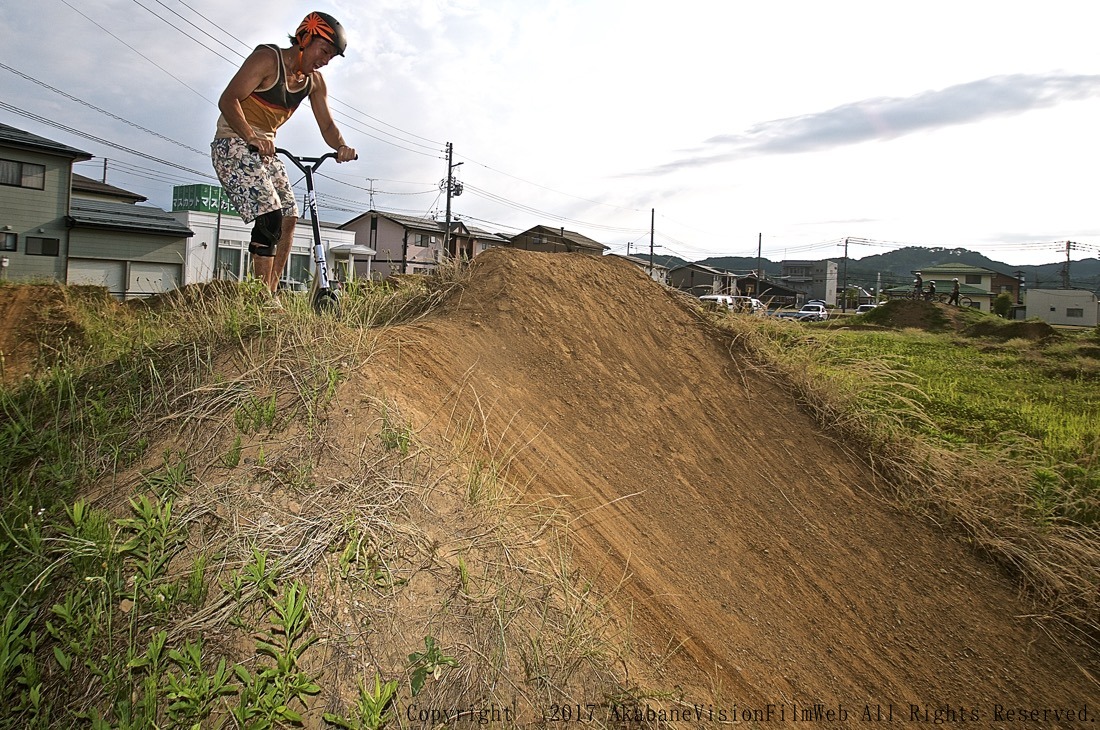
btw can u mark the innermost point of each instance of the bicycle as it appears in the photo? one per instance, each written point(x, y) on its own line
point(323, 297)
point(963, 300)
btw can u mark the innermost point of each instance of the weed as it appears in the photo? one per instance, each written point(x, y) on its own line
point(153, 542)
point(429, 663)
point(266, 697)
point(255, 414)
point(171, 478)
point(232, 458)
point(394, 438)
point(193, 690)
point(372, 711)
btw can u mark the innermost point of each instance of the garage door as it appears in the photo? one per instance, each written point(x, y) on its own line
point(97, 272)
point(148, 279)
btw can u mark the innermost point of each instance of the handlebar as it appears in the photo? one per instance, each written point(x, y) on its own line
point(301, 162)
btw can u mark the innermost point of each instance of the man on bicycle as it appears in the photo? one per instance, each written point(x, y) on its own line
point(918, 287)
point(259, 99)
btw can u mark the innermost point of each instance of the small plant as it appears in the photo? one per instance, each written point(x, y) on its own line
point(394, 438)
point(431, 662)
point(266, 697)
point(255, 414)
point(232, 458)
point(372, 711)
point(193, 691)
point(463, 575)
point(170, 478)
point(154, 540)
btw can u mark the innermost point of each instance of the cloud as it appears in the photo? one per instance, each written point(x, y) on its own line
point(884, 118)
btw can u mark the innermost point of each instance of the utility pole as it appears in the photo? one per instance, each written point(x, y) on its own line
point(844, 302)
point(1065, 269)
point(452, 189)
point(652, 216)
point(759, 248)
point(104, 181)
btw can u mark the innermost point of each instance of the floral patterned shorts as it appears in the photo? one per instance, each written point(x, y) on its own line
point(254, 184)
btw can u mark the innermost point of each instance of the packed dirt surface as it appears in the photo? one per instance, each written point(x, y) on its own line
point(22, 312)
point(751, 557)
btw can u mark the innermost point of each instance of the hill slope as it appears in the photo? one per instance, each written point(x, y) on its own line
point(751, 555)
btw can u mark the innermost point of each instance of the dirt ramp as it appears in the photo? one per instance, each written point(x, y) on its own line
point(747, 551)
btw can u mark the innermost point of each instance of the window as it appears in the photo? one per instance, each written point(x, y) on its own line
point(227, 263)
point(1075, 312)
point(10, 242)
point(975, 279)
point(421, 239)
point(22, 174)
point(299, 271)
point(43, 246)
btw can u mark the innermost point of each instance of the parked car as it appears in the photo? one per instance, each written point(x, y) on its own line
point(865, 308)
point(740, 304)
point(808, 313)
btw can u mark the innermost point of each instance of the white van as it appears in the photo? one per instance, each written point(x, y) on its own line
point(742, 305)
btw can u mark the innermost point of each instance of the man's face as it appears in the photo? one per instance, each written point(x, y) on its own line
point(319, 53)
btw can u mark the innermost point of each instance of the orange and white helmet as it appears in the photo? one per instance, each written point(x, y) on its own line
point(324, 26)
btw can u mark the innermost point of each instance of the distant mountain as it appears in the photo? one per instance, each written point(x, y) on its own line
point(897, 267)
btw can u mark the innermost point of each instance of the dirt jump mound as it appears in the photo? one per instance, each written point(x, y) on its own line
point(749, 554)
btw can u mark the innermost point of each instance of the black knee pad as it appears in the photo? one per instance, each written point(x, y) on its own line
point(266, 233)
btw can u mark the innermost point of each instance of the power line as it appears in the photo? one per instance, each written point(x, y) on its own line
point(205, 33)
point(182, 32)
point(85, 135)
point(183, 83)
point(101, 111)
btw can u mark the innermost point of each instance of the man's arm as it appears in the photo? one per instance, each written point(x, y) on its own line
point(318, 100)
point(257, 72)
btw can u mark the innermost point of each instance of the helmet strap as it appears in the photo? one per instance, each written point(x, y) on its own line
point(302, 43)
point(298, 75)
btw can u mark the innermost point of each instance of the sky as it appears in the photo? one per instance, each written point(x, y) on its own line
point(705, 128)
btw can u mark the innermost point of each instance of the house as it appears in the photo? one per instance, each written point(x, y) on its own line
point(657, 272)
point(1076, 307)
point(773, 294)
point(219, 247)
point(410, 245)
point(556, 240)
point(700, 279)
point(69, 228)
point(35, 191)
point(812, 279)
point(132, 250)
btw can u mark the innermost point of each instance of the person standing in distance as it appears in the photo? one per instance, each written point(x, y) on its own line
point(259, 99)
point(954, 298)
